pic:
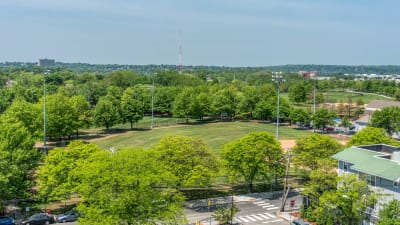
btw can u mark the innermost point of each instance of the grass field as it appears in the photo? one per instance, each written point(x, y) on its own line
point(214, 134)
point(340, 96)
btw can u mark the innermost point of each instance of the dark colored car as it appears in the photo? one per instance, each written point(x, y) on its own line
point(69, 216)
point(299, 222)
point(6, 221)
point(39, 219)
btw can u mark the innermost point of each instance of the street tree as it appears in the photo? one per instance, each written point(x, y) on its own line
point(255, 154)
point(388, 118)
point(127, 186)
point(347, 204)
point(371, 135)
point(313, 148)
point(190, 160)
point(18, 159)
point(390, 214)
point(55, 176)
point(321, 180)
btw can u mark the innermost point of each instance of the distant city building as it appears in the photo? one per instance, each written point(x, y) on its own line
point(308, 74)
point(46, 62)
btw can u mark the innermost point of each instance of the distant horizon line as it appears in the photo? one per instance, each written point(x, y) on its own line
point(200, 65)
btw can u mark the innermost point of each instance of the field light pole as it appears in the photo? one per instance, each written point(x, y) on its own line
point(277, 77)
point(44, 111)
point(152, 105)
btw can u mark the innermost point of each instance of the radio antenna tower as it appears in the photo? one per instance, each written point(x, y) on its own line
point(180, 53)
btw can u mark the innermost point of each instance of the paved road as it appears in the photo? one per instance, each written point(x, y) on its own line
point(253, 210)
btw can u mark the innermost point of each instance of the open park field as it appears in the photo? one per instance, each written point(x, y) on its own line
point(215, 134)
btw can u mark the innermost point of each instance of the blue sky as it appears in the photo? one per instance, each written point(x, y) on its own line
point(211, 32)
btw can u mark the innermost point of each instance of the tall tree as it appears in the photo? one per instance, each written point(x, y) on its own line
point(132, 105)
point(105, 114)
point(347, 204)
point(55, 177)
point(128, 186)
point(313, 148)
point(253, 155)
point(388, 118)
point(190, 160)
point(183, 104)
point(225, 101)
point(18, 158)
point(298, 115)
point(59, 116)
point(82, 115)
point(28, 114)
point(322, 118)
point(298, 92)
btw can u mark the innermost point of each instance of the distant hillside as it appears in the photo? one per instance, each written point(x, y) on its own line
point(106, 68)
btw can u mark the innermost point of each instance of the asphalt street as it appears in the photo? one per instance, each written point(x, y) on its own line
point(254, 209)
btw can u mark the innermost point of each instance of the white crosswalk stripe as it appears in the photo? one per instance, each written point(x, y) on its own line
point(251, 218)
point(266, 205)
point(273, 221)
point(261, 217)
point(270, 215)
point(258, 218)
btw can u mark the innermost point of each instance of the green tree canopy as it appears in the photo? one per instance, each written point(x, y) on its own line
point(17, 159)
point(55, 177)
point(132, 105)
point(313, 148)
point(255, 154)
point(190, 160)
point(371, 135)
point(105, 114)
point(128, 186)
point(390, 214)
point(347, 204)
point(388, 118)
point(322, 118)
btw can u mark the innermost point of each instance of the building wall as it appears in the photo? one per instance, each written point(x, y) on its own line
point(380, 185)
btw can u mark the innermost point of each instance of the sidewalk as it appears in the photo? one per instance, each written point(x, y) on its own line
point(287, 215)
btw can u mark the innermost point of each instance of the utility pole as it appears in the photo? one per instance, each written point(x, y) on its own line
point(286, 185)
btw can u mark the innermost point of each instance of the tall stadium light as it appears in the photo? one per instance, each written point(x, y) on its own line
point(44, 111)
point(152, 104)
point(277, 77)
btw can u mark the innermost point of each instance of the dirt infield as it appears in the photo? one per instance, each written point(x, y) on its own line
point(289, 144)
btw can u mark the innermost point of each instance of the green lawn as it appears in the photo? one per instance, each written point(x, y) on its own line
point(340, 96)
point(214, 134)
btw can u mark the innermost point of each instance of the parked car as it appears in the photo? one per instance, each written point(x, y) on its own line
point(299, 222)
point(4, 220)
point(39, 219)
point(69, 216)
